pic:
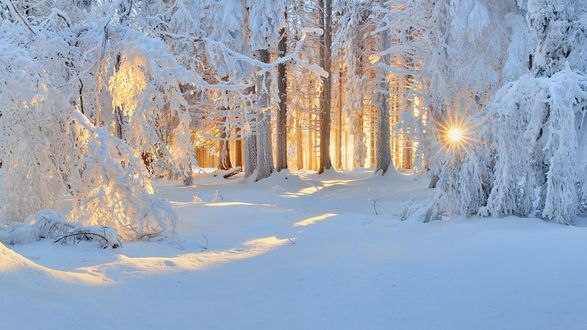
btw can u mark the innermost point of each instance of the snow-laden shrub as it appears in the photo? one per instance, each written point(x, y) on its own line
point(113, 191)
point(49, 146)
point(31, 131)
point(536, 127)
point(48, 224)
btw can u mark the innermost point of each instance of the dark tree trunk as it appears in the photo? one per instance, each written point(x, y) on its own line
point(281, 161)
point(325, 21)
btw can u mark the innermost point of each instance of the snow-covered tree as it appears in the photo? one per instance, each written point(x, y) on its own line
point(530, 161)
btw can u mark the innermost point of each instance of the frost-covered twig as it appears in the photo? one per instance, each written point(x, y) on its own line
point(88, 236)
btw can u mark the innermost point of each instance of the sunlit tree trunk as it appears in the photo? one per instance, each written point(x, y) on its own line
point(238, 152)
point(117, 109)
point(311, 141)
point(338, 139)
point(299, 141)
point(224, 150)
point(281, 161)
point(358, 143)
point(325, 22)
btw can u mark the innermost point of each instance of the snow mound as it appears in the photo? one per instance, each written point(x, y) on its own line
point(18, 271)
point(12, 261)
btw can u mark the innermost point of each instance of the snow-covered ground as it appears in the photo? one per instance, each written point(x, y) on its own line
point(302, 251)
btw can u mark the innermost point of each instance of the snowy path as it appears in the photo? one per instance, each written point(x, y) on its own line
point(306, 252)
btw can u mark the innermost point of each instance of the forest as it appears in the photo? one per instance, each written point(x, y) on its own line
point(289, 140)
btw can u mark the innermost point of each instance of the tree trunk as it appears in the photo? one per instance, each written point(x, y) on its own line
point(250, 154)
point(264, 152)
point(383, 152)
point(299, 141)
point(359, 143)
point(250, 137)
point(117, 110)
point(224, 150)
point(238, 152)
point(281, 161)
point(338, 140)
point(325, 22)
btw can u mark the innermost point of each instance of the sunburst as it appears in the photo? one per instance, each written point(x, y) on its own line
point(456, 133)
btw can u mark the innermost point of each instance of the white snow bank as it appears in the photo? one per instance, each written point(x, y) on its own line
point(322, 259)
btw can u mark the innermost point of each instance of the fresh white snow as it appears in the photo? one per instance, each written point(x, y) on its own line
point(302, 251)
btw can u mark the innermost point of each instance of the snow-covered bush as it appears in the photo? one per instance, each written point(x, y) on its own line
point(55, 68)
point(537, 128)
point(48, 224)
point(32, 131)
point(113, 191)
point(531, 156)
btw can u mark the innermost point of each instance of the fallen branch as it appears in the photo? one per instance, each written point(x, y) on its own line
point(88, 236)
point(232, 172)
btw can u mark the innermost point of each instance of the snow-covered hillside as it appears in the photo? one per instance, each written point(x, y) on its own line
point(305, 252)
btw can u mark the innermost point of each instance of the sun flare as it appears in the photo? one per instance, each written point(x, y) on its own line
point(454, 134)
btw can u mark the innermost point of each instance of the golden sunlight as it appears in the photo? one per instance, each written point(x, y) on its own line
point(313, 220)
point(456, 134)
point(128, 83)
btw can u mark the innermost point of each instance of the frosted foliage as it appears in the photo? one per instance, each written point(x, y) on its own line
point(42, 224)
point(518, 49)
point(530, 156)
point(29, 123)
point(114, 192)
point(547, 114)
point(266, 18)
point(557, 28)
point(539, 173)
point(470, 17)
point(128, 83)
point(146, 89)
point(445, 58)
